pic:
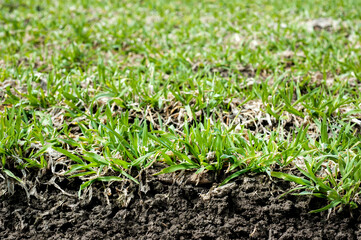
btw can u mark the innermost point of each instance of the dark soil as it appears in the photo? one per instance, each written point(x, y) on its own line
point(161, 209)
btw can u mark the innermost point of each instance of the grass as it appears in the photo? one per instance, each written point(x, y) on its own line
point(224, 86)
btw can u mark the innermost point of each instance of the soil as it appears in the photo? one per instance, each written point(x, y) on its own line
point(249, 208)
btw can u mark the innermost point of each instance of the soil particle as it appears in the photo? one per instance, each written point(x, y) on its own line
point(249, 208)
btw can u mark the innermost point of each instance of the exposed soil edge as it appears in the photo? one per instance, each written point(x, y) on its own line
point(159, 209)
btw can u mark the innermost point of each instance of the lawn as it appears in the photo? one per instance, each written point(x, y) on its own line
point(107, 91)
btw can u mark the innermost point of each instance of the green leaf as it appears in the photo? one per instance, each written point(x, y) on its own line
point(10, 174)
point(82, 174)
point(178, 167)
point(69, 155)
point(291, 178)
point(234, 175)
point(167, 159)
point(93, 157)
point(331, 205)
point(324, 135)
point(129, 176)
point(190, 113)
point(141, 159)
point(42, 150)
point(120, 162)
point(103, 179)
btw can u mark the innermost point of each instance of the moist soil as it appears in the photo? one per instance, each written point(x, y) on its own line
point(170, 208)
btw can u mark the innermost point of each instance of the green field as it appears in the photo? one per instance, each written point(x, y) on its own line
point(102, 90)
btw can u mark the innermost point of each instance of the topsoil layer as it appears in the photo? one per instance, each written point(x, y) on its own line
point(249, 208)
